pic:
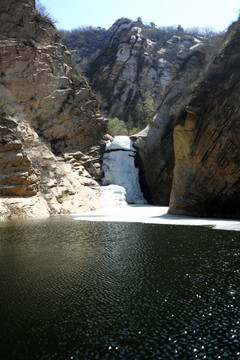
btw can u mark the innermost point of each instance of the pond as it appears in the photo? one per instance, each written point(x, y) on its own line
point(111, 290)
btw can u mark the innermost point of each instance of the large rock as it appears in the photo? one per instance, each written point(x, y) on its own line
point(59, 135)
point(20, 20)
point(207, 138)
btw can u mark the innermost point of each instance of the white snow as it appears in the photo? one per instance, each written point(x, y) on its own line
point(120, 143)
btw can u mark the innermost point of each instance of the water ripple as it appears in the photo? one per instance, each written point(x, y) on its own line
point(79, 290)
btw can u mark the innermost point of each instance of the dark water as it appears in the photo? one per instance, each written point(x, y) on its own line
point(85, 290)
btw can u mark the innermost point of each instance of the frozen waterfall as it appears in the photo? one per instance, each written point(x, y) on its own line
point(119, 169)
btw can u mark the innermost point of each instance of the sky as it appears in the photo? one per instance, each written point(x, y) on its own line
point(215, 14)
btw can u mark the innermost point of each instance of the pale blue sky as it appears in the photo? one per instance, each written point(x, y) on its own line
point(217, 14)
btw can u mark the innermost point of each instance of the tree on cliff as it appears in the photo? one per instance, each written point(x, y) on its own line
point(145, 110)
point(117, 127)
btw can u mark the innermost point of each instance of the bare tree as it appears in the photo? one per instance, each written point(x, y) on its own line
point(43, 11)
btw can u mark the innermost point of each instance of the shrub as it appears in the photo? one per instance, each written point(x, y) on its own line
point(42, 13)
point(145, 110)
point(134, 131)
point(117, 127)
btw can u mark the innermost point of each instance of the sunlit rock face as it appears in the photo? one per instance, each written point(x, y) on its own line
point(53, 137)
point(36, 69)
point(206, 178)
point(119, 168)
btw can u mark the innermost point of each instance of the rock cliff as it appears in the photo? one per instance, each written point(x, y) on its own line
point(52, 135)
point(137, 61)
point(206, 178)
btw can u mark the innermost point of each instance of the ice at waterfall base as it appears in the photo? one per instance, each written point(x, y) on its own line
point(123, 201)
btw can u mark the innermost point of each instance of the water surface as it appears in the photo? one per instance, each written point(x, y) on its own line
point(91, 290)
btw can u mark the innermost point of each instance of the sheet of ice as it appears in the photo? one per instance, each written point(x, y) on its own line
point(119, 169)
point(151, 214)
point(113, 195)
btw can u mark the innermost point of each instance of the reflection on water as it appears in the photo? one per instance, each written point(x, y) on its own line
point(85, 290)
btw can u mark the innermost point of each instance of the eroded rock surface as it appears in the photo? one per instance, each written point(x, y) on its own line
point(17, 176)
point(59, 135)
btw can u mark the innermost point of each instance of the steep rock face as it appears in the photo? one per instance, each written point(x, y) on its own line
point(60, 133)
point(155, 149)
point(37, 70)
point(207, 138)
point(155, 142)
point(19, 20)
point(56, 100)
point(132, 66)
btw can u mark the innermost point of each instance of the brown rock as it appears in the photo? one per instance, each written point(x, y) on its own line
point(17, 176)
point(207, 138)
point(55, 113)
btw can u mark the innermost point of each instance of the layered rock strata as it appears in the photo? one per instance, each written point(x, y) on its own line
point(206, 178)
point(17, 176)
point(59, 134)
